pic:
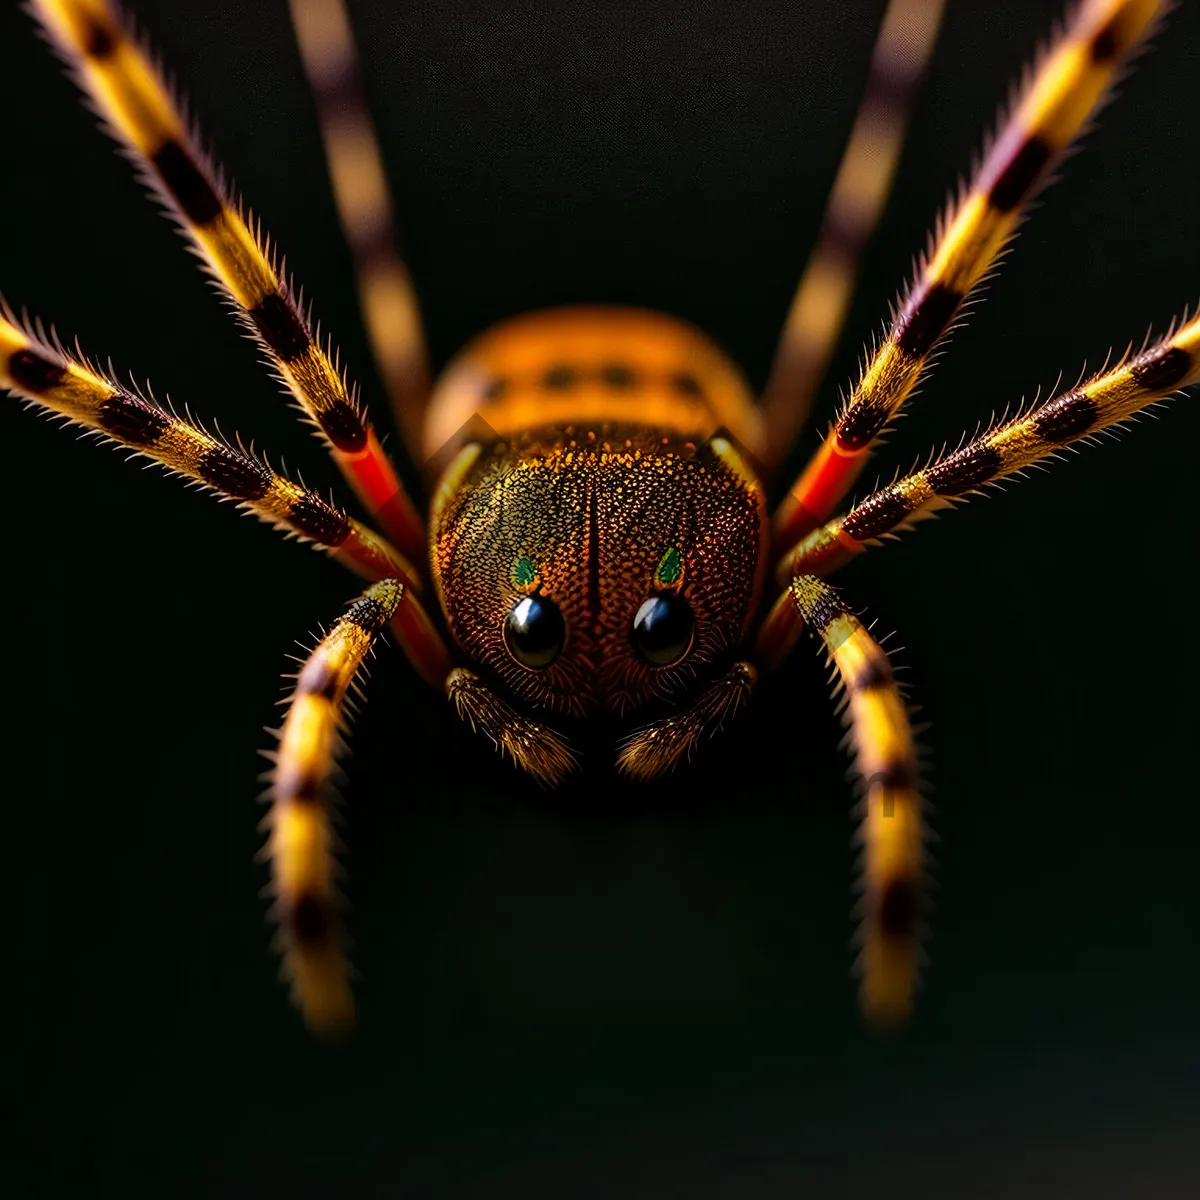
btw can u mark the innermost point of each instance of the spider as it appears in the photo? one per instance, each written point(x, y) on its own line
point(598, 545)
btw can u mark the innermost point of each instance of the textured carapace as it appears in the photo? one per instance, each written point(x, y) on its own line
point(596, 508)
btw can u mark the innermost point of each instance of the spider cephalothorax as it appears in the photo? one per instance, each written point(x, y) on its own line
point(597, 538)
point(598, 563)
point(596, 570)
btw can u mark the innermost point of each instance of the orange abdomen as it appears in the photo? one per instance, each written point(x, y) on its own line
point(583, 366)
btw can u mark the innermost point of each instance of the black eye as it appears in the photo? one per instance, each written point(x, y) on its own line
point(662, 629)
point(535, 631)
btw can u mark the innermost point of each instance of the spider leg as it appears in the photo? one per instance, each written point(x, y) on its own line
point(892, 831)
point(1062, 94)
point(1104, 400)
point(73, 388)
point(129, 93)
point(532, 746)
point(300, 843)
point(860, 190)
point(660, 746)
point(364, 203)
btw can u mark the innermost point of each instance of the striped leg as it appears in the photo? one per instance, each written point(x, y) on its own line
point(364, 203)
point(1104, 400)
point(892, 832)
point(300, 843)
point(864, 179)
point(45, 374)
point(1066, 89)
point(129, 92)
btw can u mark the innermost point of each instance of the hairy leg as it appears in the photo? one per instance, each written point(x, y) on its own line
point(1064, 92)
point(1103, 401)
point(61, 383)
point(535, 748)
point(892, 830)
point(300, 844)
point(659, 747)
point(364, 204)
point(129, 92)
point(864, 179)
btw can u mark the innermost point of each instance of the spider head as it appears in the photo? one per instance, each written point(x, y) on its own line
point(592, 572)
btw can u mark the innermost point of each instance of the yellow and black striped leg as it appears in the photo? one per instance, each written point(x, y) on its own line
point(33, 368)
point(130, 94)
point(364, 203)
point(864, 179)
point(300, 843)
point(1063, 93)
point(892, 831)
point(1103, 401)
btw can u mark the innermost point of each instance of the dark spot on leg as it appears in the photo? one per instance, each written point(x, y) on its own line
point(826, 609)
point(1019, 175)
point(237, 475)
point(617, 375)
point(311, 516)
point(925, 317)
point(308, 919)
point(1068, 417)
point(375, 242)
point(344, 427)
point(495, 389)
point(1113, 38)
point(899, 907)
point(33, 373)
point(279, 325)
point(318, 678)
point(963, 470)
point(876, 515)
point(299, 784)
point(185, 180)
point(99, 42)
point(1161, 369)
point(367, 614)
point(843, 235)
point(1104, 45)
point(338, 92)
point(877, 673)
point(133, 420)
point(897, 776)
point(888, 89)
point(559, 378)
point(860, 424)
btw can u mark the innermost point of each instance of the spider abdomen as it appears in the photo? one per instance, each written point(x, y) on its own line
point(581, 367)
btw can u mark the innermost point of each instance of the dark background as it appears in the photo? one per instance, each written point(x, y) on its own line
point(604, 991)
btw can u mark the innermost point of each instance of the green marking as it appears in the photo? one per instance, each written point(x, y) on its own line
point(669, 568)
point(524, 574)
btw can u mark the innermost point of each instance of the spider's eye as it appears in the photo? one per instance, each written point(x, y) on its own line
point(662, 629)
point(535, 631)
